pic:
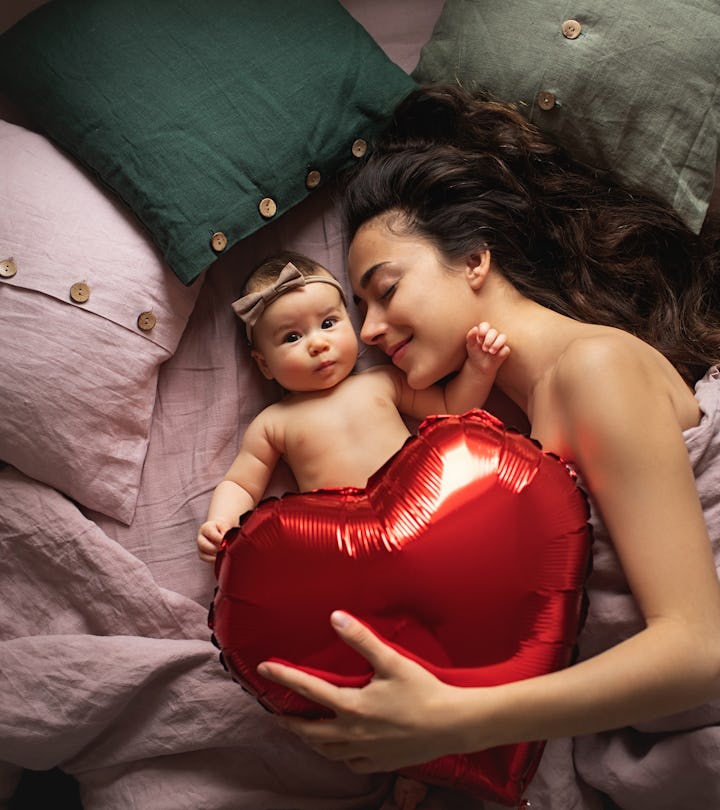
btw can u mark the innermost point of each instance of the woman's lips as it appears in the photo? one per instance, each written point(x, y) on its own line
point(398, 350)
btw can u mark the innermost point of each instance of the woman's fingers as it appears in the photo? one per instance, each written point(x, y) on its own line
point(373, 724)
point(358, 636)
point(355, 635)
point(304, 684)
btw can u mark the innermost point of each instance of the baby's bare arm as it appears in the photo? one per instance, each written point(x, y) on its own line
point(242, 487)
point(487, 350)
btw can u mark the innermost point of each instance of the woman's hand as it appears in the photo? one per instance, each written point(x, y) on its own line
point(404, 716)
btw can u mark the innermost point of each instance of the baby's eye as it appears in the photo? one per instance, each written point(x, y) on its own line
point(291, 337)
point(328, 323)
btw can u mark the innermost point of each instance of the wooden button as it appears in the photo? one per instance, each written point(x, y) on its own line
point(267, 207)
point(546, 100)
point(8, 268)
point(80, 292)
point(218, 241)
point(359, 147)
point(313, 178)
point(146, 321)
point(571, 29)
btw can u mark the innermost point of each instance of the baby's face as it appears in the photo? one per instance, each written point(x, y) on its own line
point(305, 339)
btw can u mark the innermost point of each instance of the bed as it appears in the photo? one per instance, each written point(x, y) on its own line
point(125, 380)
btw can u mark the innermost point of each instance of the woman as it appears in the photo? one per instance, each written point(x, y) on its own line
point(466, 213)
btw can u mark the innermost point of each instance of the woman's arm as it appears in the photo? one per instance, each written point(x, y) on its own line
point(623, 432)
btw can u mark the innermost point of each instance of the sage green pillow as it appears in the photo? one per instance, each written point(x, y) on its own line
point(629, 86)
point(209, 119)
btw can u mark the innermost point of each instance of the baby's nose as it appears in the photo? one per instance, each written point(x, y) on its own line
point(317, 343)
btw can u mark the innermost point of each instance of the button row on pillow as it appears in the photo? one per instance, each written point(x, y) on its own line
point(80, 294)
point(268, 207)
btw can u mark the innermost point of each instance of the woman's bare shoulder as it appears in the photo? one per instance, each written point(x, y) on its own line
point(606, 360)
point(605, 383)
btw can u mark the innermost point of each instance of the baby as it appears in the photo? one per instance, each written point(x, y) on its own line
point(333, 427)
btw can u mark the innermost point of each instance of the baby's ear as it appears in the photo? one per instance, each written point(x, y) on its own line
point(262, 364)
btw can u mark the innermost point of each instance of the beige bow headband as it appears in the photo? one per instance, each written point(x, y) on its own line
point(250, 307)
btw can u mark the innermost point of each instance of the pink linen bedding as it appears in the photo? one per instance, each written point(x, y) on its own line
point(106, 667)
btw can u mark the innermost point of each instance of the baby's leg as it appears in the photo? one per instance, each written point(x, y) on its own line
point(408, 793)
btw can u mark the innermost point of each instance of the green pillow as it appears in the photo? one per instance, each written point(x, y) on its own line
point(629, 86)
point(209, 119)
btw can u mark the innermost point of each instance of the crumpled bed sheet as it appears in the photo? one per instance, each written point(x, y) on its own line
point(114, 678)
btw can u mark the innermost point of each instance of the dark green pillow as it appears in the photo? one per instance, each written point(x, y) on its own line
point(629, 86)
point(208, 119)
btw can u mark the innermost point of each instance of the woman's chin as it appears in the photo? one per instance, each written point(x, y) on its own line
point(420, 380)
point(422, 375)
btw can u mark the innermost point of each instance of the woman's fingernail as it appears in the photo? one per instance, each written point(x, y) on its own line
point(339, 619)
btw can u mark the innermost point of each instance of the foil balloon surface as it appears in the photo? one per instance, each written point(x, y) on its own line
point(467, 551)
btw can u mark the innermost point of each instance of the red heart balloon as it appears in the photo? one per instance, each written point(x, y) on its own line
point(467, 551)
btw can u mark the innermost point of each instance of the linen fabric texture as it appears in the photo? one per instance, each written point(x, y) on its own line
point(79, 378)
point(631, 87)
point(205, 118)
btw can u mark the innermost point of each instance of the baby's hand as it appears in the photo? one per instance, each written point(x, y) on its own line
point(487, 348)
point(210, 537)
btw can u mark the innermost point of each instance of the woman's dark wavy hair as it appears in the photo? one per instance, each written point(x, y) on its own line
point(468, 171)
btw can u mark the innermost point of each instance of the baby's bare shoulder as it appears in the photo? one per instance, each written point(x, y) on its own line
point(386, 376)
point(380, 372)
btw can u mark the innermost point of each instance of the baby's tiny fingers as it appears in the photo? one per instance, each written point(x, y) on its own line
point(489, 342)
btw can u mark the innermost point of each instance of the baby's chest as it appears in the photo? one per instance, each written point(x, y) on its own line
point(314, 432)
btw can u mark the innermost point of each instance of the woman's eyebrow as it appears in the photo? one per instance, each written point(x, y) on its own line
point(366, 277)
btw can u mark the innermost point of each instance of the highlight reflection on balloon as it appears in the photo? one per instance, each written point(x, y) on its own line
point(467, 551)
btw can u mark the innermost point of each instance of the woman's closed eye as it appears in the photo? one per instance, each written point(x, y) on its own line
point(387, 293)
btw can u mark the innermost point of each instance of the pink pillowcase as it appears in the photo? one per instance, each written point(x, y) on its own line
point(88, 312)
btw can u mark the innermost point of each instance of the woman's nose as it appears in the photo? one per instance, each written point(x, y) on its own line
point(371, 329)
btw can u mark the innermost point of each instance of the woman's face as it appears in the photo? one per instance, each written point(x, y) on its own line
point(417, 305)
